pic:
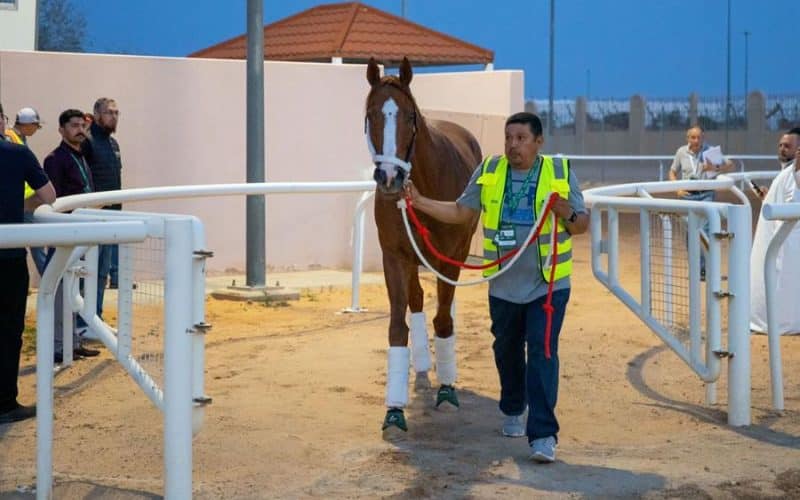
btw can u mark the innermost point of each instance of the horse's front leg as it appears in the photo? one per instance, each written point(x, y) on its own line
point(394, 272)
point(420, 353)
point(445, 340)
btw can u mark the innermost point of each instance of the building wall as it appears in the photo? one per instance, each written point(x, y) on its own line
point(480, 92)
point(182, 121)
point(18, 25)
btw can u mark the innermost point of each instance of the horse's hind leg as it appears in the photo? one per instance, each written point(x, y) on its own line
point(445, 340)
point(420, 354)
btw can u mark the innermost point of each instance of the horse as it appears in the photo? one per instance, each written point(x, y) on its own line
point(444, 156)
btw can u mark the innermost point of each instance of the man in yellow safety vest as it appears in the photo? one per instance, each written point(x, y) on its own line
point(511, 191)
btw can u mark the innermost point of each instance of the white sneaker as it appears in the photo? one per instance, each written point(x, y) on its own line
point(514, 426)
point(543, 450)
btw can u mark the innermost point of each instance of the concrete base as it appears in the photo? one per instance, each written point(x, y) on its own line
point(256, 294)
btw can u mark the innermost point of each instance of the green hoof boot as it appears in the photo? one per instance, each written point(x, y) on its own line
point(447, 394)
point(395, 418)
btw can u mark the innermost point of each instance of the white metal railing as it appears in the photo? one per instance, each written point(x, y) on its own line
point(789, 213)
point(65, 237)
point(367, 188)
point(636, 198)
point(182, 399)
point(663, 160)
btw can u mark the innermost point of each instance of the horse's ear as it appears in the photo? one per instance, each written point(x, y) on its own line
point(405, 72)
point(373, 72)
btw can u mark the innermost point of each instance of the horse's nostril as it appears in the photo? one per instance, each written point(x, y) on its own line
point(379, 175)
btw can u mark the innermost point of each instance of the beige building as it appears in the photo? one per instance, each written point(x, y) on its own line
point(182, 121)
point(18, 24)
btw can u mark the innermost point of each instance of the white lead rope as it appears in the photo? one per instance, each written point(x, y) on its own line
point(401, 204)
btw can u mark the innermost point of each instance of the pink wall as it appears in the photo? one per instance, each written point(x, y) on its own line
point(183, 122)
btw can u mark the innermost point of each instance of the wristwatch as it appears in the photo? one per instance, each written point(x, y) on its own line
point(573, 217)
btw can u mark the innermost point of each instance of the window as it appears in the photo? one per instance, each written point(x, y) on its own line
point(8, 4)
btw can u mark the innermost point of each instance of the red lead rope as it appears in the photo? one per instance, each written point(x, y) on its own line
point(548, 305)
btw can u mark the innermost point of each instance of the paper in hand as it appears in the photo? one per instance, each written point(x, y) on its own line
point(714, 155)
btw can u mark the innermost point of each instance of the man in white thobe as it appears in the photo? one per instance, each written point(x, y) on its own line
point(785, 188)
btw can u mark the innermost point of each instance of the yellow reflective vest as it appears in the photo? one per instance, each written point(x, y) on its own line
point(14, 137)
point(553, 177)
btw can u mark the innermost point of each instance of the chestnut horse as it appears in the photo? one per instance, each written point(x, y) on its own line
point(439, 157)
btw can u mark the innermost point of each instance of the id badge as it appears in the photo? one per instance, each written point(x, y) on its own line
point(506, 237)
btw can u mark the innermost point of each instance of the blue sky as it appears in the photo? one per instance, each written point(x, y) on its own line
point(606, 48)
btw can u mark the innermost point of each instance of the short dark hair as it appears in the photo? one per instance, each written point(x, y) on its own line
point(794, 131)
point(530, 119)
point(68, 115)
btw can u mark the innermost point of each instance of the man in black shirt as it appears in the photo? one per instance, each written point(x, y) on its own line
point(18, 165)
point(102, 153)
point(70, 175)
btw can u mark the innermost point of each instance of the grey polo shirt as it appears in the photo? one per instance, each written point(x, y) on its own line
point(689, 166)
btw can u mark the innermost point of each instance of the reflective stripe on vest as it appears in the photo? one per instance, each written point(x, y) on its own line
point(553, 177)
point(14, 137)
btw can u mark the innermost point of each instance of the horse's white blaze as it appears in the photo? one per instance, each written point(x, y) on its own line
point(389, 109)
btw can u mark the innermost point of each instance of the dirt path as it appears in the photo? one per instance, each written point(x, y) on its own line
point(298, 402)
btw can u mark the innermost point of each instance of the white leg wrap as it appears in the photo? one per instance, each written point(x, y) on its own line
point(446, 359)
point(397, 378)
point(420, 354)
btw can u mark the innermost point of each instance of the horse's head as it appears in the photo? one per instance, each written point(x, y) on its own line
point(391, 126)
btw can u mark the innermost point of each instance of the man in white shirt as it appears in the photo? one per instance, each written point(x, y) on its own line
point(785, 188)
point(690, 163)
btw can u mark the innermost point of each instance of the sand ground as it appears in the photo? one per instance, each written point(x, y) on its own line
point(298, 403)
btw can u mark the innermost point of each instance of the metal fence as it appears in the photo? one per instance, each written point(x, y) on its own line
point(781, 113)
point(608, 115)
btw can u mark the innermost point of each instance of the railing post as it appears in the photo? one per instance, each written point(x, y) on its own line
point(45, 327)
point(613, 246)
point(739, 383)
point(358, 252)
point(644, 260)
point(178, 359)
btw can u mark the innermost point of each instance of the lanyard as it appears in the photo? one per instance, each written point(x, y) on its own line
point(523, 191)
point(87, 188)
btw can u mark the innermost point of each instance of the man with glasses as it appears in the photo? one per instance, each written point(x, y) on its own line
point(103, 155)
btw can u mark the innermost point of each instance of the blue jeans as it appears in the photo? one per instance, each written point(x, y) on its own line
point(701, 196)
point(533, 383)
point(113, 270)
point(103, 269)
point(38, 254)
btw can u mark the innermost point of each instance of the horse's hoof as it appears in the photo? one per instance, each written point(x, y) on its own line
point(395, 418)
point(422, 382)
point(446, 394)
